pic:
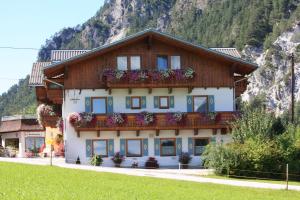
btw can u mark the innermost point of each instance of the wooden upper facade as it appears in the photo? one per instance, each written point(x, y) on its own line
point(212, 68)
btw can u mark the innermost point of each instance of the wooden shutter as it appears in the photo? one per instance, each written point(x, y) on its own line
point(128, 103)
point(145, 147)
point(111, 151)
point(157, 146)
point(122, 147)
point(88, 107)
point(191, 146)
point(189, 103)
point(213, 140)
point(156, 103)
point(143, 103)
point(211, 103)
point(178, 146)
point(110, 105)
point(172, 103)
point(88, 148)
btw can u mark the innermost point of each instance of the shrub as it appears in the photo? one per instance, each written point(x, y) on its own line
point(118, 159)
point(185, 159)
point(151, 163)
point(96, 160)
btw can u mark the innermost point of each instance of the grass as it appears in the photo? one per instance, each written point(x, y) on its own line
point(253, 180)
point(20, 181)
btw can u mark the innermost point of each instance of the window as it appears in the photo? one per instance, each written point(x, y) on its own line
point(135, 62)
point(200, 104)
point(34, 144)
point(167, 147)
point(99, 105)
point(122, 62)
point(100, 147)
point(135, 102)
point(199, 145)
point(175, 62)
point(162, 62)
point(164, 102)
point(134, 148)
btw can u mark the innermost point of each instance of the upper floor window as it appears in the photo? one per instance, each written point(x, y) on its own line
point(175, 62)
point(135, 62)
point(100, 147)
point(99, 105)
point(162, 62)
point(122, 63)
point(134, 147)
point(200, 104)
point(199, 145)
point(164, 102)
point(136, 103)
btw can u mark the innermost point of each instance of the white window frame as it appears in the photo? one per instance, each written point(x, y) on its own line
point(178, 63)
point(120, 60)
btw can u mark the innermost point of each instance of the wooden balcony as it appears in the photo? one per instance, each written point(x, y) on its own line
point(152, 81)
point(55, 96)
point(192, 121)
point(50, 121)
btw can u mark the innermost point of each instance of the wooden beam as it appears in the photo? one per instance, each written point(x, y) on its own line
point(176, 132)
point(190, 89)
point(66, 71)
point(157, 132)
point(195, 131)
point(137, 133)
point(98, 133)
point(149, 41)
point(118, 133)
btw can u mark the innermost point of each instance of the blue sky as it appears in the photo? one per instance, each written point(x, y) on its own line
point(28, 24)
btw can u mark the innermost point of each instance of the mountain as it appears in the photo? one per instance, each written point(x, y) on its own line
point(19, 99)
point(266, 31)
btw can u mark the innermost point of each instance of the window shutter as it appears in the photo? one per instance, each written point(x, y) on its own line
point(122, 147)
point(213, 140)
point(211, 103)
point(111, 151)
point(143, 103)
point(128, 103)
point(178, 146)
point(156, 104)
point(145, 147)
point(189, 101)
point(110, 105)
point(191, 146)
point(172, 102)
point(88, 107)
point(157, 146)
point(88, 148)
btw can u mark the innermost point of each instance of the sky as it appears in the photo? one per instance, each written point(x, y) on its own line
point(28, 24)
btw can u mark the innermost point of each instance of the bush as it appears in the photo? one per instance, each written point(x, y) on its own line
point(151, 163)
point(96, 160)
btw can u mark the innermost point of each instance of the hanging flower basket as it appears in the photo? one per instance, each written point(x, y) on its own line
point(46, 115)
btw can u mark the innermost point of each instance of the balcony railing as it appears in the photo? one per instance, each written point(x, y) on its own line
point(148, 78)
point(190, 121)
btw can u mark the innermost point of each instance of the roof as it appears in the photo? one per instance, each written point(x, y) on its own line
point(36, 77)
point(229, 51)
point(59, 55)
point(248, 66)
point(19, 123)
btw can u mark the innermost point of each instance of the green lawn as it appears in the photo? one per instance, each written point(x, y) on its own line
point(253, 180)
point(18, 181)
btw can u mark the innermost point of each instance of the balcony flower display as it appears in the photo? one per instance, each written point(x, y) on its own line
point(134, 75)
point(179, 74)
point(189, 73)
point(115, 119)
point(109, 74)
point(145, 118)
point(166, 74)
point(155, 75)
point(74, 119)
point(43, 111)
point(144, 75)
point(120, 74)
point(87, 119)
point(175, 118)
point(60, 125)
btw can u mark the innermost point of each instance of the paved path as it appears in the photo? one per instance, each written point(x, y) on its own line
point(185, 175)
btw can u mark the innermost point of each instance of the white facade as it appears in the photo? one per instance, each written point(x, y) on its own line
point(74, 101)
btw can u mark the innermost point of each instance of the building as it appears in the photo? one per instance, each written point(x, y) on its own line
point(190, 89)
point(21, 135)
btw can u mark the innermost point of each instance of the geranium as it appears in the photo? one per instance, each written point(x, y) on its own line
point(134, 75)
point(144, 118)
point(42, 111)
point(143, 76)
point(189, 73)
point(115, 119)
point(120, 74)
point(74, 119)
point(175, 118)
point(155, 75)
point(166, 74)
point(179, 74)
point(109, 74)
point(87, 118)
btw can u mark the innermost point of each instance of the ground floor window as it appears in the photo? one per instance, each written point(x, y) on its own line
point(34, 144)
point(100, 147)
point(199, 145)
point(168, 147)
point(133, 147)
point(12, 142)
